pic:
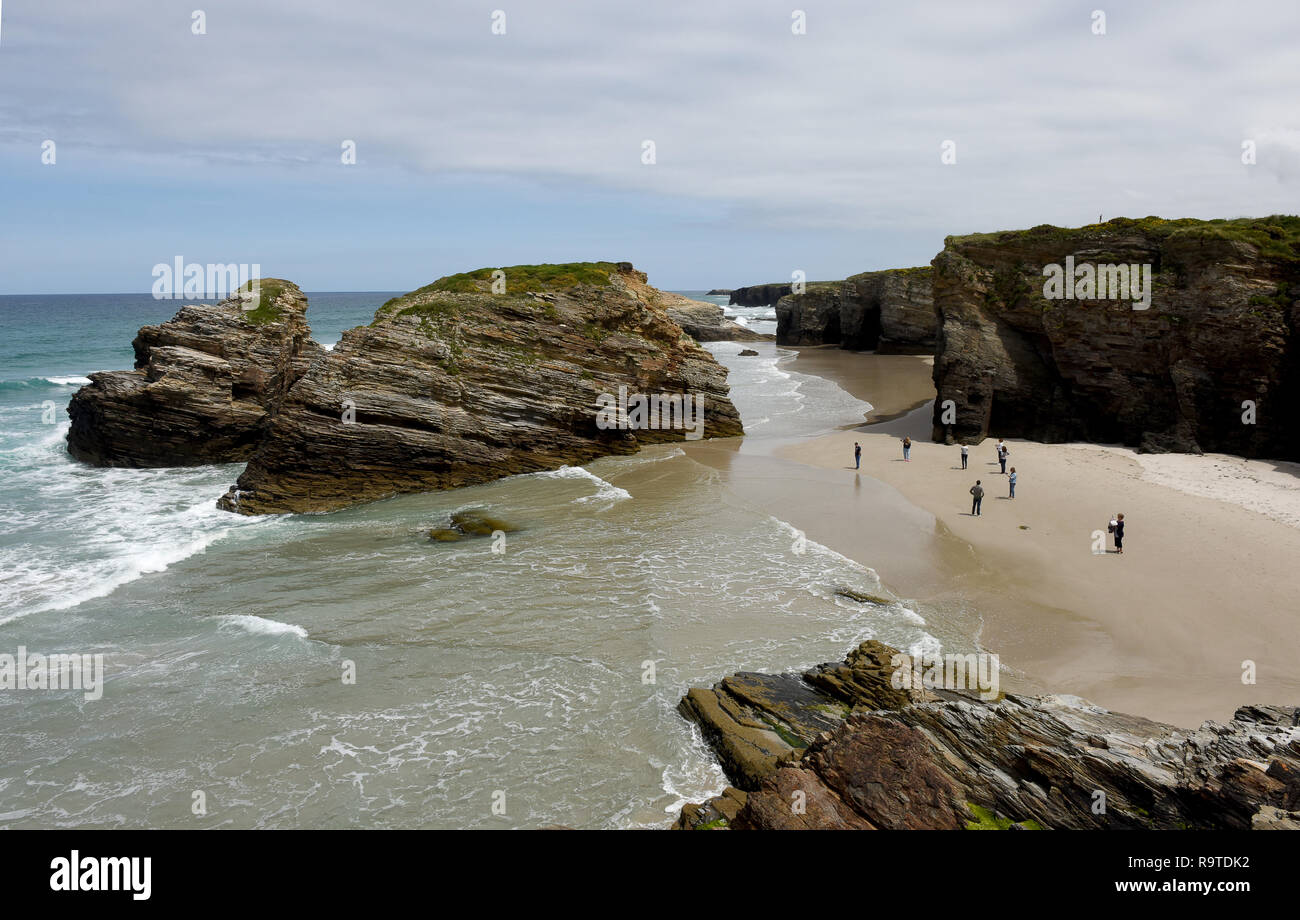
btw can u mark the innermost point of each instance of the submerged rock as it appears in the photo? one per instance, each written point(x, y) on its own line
point(863, 598)
point(454, 384)
point(204, 386)
point(899, 759)
point(748, 353)
point(471, 524)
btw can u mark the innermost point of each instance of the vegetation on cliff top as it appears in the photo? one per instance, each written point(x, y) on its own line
point(1276, 237)
point(266, 311)
point(519, 279)
point(919, 271)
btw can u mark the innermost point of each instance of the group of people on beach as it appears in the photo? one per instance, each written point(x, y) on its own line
point(977, 490)
point(1115, 527)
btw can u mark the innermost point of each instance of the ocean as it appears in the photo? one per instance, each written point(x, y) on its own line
point(531, 687)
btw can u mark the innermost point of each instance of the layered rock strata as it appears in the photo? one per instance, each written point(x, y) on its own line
point(455, 384)
point(204, 386)
point(854, 752)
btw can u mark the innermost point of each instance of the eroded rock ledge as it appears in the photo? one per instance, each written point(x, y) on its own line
point(454, 385)
point(860, 754)
point(204, 386)
point(1220, 330)
point(706, 322)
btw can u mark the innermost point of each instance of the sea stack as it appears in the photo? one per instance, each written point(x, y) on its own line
point(1202, 357)
point(477, 376)
point(204, 385)
point(890, 311)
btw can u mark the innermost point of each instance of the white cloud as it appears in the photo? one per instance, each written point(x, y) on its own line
point(838, 128)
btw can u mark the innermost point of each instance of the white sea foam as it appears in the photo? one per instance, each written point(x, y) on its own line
point(108, 526)
point(606, 492)
point(261, 626)
point(68, 381)
point(104, 576)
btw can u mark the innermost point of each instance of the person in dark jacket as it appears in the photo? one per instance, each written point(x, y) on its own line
point(977, 497)
point(1119, 534)
point(857, 455)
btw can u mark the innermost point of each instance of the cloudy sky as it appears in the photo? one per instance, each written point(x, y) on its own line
point(773, 151)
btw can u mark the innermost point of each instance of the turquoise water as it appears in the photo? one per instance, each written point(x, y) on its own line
point(521, 677)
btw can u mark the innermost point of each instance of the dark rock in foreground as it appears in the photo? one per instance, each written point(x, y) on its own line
point(454, 385)
point(889, 311)
point(204, 386)
point(1220, 329)
point(856, 753)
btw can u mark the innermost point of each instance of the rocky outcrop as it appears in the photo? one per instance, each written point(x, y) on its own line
point(1216, 342)
point(453, 385)
point(759, 295)
point(204, 386)
point(889, 311)
point(706, 322)
point(902, 759)
point(719, 292)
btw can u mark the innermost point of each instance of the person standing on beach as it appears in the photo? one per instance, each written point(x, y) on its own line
point(1119, 534)
point(977, 493)
point(857, 455)
point(907, 449)
point(1002, 455)
point(1012, 482)
point(965, 454)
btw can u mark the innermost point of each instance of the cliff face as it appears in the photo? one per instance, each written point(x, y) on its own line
point(204, 384)
point(1220, 329)
point(759, 295)
point(857, 753)
point(453, 385)
point(890, 311)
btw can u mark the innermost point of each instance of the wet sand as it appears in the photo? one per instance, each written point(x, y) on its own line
point(1205, 584)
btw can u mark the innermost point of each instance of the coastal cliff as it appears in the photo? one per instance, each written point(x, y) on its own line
point(1209, 362)
point(759, 295)
point(840, 747)
point(890, 311)
point(204, 386)
point(453, 385)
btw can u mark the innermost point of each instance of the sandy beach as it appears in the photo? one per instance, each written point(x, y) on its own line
point(1207, 581)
